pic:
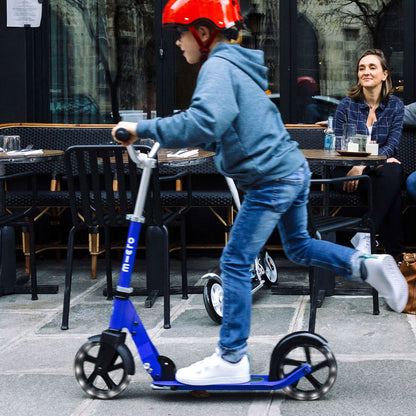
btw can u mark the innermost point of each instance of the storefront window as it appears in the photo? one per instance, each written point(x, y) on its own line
point(331, 36)
point(261, 31)
point(102, 60)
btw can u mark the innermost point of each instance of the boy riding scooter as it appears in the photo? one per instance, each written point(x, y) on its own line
point(231, 115)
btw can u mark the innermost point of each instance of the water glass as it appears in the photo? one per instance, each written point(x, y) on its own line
point(341, 143)
point(11, 143)
point(361, 139)
point(348, 131)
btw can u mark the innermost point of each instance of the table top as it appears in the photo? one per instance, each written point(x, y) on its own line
point(200, 157)
point(333, 158)
point(29, 158)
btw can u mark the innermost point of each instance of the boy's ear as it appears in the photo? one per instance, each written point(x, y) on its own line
point(203, 32)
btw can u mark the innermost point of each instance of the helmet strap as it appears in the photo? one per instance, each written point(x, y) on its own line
point(203, 46)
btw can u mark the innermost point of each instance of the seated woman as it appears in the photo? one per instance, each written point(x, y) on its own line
point(376, 113)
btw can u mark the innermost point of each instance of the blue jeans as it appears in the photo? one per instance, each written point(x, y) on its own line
point(411, 185)
point(283, 203)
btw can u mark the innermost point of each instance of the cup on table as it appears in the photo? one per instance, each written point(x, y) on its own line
point(361, 139)
point(372, 147)
point(349, 130)
point(341, 143)
point(11, 143)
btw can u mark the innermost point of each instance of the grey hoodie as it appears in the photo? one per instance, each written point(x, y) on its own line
point(231, 114)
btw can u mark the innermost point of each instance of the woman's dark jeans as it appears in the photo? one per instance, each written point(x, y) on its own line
point(387, 183)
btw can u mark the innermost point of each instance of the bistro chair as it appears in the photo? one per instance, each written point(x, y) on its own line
point(322, 225)
point(103, 184)
point(210, 191)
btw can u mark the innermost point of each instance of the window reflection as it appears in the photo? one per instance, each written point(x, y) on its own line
point(102, 60)
point(103, 63)
point(261, 31)
point(331, 35)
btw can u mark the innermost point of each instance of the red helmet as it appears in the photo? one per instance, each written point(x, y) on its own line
point(222, 13)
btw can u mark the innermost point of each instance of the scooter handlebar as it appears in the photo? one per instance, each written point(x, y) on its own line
point(122, 134)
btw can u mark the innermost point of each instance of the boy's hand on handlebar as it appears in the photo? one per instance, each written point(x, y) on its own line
point(130, 127)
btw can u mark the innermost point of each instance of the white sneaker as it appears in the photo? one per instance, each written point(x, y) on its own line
point(215, 370)
point(384, 275)
point(362, 242)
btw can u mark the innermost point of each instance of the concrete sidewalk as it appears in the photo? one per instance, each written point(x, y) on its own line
point(375, 354)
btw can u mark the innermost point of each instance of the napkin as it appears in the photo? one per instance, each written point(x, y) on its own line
point(25, 152)
point(183, 153)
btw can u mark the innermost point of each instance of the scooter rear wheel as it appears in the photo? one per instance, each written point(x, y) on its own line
point(97, 382)
point(266, 269)
point(304, 348)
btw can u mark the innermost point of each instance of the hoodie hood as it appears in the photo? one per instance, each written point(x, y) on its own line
point(250, 61)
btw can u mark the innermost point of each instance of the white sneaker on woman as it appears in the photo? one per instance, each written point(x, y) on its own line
point(384, 275)
point(215, 370)
point(362, 242)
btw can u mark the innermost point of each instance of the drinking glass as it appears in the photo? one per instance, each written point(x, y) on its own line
point(341, 143)
point(11, 143)
point(348, 131)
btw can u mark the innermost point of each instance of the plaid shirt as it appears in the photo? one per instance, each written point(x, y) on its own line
point(387, 130)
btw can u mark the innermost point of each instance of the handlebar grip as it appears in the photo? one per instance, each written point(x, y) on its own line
point(122, 134)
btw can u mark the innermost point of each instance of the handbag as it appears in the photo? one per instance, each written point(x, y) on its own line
point(408, 269)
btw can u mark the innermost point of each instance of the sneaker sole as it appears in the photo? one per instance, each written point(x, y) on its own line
point(211, 382)
point(394, 282)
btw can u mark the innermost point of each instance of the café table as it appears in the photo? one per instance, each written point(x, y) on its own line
point(332, 158)
point(8, 251)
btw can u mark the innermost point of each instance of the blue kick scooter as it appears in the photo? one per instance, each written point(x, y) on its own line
point(301, 364)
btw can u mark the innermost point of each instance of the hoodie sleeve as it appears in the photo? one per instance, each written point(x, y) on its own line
point(211, 113)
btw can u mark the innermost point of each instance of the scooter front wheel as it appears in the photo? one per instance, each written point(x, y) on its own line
point(101, 381)
point(302, 348)
point(213, 298)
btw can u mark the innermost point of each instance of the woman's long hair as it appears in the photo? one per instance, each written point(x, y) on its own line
point(356, 92)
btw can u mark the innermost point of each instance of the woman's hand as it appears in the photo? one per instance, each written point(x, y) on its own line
point(393, 160)
point(390, 160)
point(351, 186)
point(130, 127)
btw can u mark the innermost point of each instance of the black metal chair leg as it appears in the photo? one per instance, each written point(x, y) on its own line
point(33, 271)
point(108, 265)
point(166, 274)
point(184, 266)
point(314, 289)
point(376, 306)
point(68, 279)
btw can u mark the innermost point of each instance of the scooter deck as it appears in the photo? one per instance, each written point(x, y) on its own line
point(257, 382)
